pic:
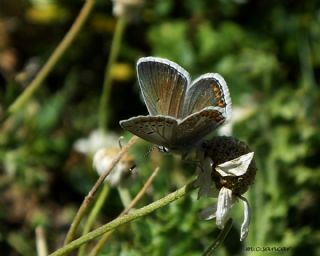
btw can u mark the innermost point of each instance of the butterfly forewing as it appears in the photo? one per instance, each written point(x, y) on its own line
point(198, 125)
point(208, 90)
point(156, 129)
point(163, 85)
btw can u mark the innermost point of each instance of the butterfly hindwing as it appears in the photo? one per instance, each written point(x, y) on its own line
point(208, 90)
point(155, 129)
point(198, 125)
point(163, 85)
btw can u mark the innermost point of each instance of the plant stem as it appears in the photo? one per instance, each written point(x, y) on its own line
point(54, 58)
point(124, 194)
point(136, 199)
point(140, 194)
point(86, 202)
point(41, 242)
point(93, 215)
point(105, 97)
point(125, 219)
point(221, 237)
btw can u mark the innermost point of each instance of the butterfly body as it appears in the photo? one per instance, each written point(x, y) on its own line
point(181, 113)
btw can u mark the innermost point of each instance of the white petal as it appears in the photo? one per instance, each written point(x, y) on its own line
point(204, 180)
point(96, 140)
point(101, 161)
point(246, 219)
point(115, 175)
point(208, 213)
point(225, 202)
point(235, 167)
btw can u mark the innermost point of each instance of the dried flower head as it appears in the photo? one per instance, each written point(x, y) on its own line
point(223, 149)
point(227, 168)
point(103, 159)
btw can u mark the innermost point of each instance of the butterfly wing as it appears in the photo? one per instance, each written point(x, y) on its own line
point(163, 85)
point(208, 90)
point(156, 129)
point(195, 127)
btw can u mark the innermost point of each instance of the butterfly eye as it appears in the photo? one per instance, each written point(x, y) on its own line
point(163, 149)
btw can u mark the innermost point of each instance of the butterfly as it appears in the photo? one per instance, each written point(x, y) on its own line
point(181, 113)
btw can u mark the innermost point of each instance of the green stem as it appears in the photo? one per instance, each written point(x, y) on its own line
point(105, 97)
point(124, 195)
point(54, 58)
point(98, 247)
point(93, 215)
point(125, 219)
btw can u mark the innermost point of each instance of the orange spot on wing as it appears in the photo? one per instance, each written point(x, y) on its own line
point(221, 103)
point(218, 95)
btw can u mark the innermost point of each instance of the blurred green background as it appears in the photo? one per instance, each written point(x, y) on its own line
point(267, 51)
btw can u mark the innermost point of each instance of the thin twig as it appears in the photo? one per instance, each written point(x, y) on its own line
point(221, 237)
point(54, 58)
point(86, 202)
point(137, 198)
point(41, 243)
point(125, 219)
point(93, 215)
point(141, 193)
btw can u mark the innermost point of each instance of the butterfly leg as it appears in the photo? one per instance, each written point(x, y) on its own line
point(120, 141)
